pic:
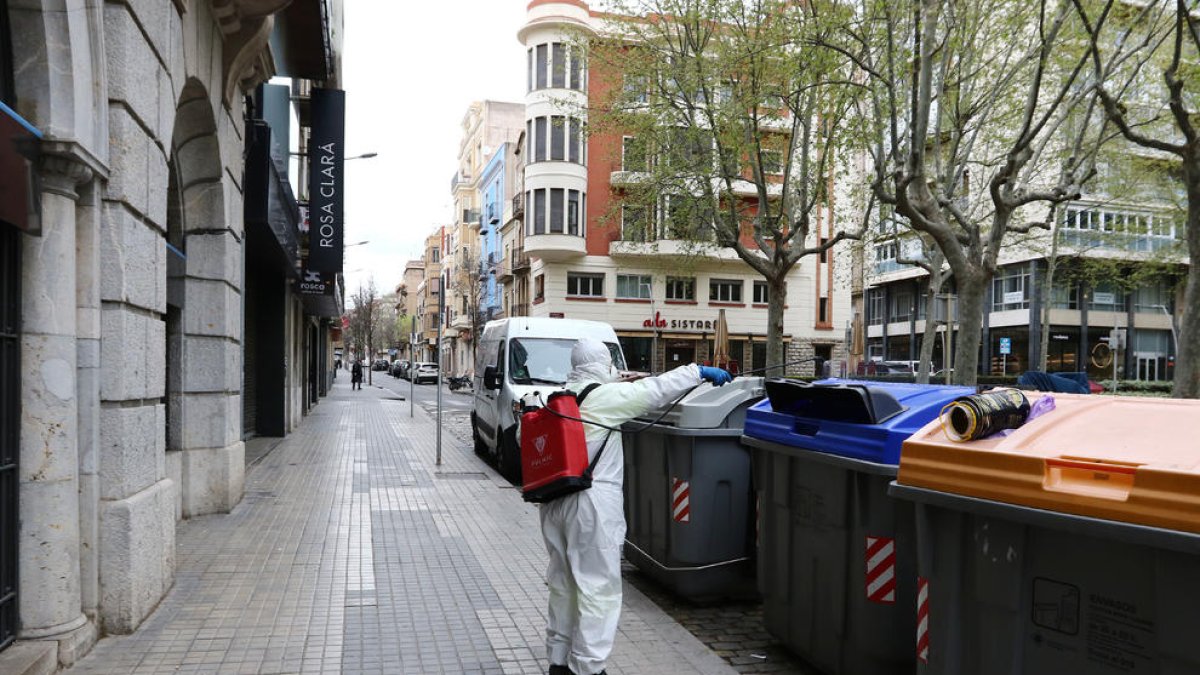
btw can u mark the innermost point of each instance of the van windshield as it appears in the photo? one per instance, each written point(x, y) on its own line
point(547, 360)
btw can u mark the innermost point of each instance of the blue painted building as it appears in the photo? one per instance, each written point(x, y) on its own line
point(494, 194)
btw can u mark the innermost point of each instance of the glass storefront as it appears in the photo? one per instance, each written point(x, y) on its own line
point(1016, 361)
point(637, 352)
point(1062, 353)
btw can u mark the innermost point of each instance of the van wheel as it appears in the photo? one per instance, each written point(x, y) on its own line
point(509, 455)
point(481, 448)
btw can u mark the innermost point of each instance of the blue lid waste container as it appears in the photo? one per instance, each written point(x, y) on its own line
point(836, 555)
point(688, 497)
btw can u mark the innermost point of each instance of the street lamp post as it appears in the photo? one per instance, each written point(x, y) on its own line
point(653, 324)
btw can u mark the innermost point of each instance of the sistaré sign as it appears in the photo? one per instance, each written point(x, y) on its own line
point(326, 180)
point(679, 324)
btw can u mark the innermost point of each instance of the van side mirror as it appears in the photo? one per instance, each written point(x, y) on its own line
point(491, 378)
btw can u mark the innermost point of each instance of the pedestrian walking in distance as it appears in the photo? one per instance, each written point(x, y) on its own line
point(356, 374)
point(584, 530)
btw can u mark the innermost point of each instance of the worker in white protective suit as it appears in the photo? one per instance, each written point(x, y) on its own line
point(584, 531)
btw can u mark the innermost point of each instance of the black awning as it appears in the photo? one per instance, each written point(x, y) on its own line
point(272, 216)
point(301, 42)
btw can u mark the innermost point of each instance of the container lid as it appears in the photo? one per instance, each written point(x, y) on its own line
point(709, 407)
point(855, 419)
point(833, 400)
point(1127, 459)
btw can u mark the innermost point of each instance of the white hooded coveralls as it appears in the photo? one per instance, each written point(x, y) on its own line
point(584, 531)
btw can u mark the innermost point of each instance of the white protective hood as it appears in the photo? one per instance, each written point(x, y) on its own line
point(591, 362)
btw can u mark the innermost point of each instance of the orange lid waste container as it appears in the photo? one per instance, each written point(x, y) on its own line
point(1127, 459)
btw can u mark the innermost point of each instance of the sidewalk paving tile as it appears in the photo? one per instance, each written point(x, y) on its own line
point(352, 551)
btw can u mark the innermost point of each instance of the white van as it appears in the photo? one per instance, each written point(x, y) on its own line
point(515, 357)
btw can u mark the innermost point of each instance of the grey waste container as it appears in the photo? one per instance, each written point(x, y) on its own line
point(836, 554)
point(688, 497)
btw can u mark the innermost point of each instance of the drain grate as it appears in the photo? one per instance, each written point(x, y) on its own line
point(461, 475)
point(258, 495)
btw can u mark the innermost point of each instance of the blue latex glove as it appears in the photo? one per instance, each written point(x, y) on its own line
point(717, 376)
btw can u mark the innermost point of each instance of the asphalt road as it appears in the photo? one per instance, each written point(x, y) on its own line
point(424, 394)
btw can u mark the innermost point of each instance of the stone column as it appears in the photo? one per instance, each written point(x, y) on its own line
point(87, 317)
point(50, 603)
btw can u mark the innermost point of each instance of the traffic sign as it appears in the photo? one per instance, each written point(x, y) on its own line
point(1005, 346)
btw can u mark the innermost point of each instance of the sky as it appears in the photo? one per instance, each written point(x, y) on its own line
point(410, 69)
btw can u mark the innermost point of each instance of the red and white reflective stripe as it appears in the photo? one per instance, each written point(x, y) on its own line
point(923, 620)
point(681, 509)
point(881, 570)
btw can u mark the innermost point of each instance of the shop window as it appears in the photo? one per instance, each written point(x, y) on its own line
point(634, 286)
point(681, 288)
point(637, 352)
point(585, 285)
point(724, 290)
point(761, 293)
point(758, 352)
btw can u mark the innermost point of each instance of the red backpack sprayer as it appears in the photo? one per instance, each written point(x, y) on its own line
point(554, 454)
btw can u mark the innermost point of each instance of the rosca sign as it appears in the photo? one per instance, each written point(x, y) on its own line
point(678, 324)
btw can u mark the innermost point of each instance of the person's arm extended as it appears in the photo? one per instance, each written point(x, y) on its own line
point(619, 402)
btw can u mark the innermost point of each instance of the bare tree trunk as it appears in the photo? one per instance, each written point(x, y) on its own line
point(1187, 361)
point(929, 338)
point(775, 304)
point(970, 325)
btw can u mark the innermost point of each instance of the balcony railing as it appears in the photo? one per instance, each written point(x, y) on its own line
point(518, 260)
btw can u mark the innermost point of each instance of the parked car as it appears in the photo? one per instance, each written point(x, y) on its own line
point(517, 357)
point(397, 366)
point(885, 368)
point(424, 372)
point(380, 364)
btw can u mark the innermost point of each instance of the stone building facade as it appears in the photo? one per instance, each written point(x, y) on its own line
point(131, 307)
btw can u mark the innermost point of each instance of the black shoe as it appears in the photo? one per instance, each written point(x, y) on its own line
point(560, 670)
